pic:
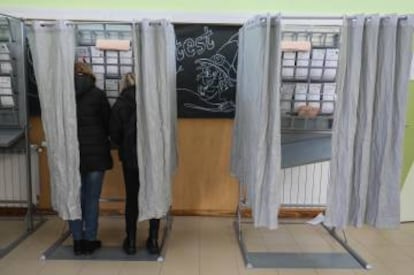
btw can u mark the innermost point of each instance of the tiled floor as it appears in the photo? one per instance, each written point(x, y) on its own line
point(10, 230)
point(204, 245)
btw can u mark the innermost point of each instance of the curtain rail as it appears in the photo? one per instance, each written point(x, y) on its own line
point(283, 17)
point(51, 22)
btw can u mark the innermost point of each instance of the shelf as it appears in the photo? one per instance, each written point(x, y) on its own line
point(9, 136)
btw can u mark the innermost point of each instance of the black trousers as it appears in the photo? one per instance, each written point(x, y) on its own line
point(131, 204)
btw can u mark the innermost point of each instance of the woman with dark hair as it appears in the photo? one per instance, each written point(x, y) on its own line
point(123, 132)
point(93, 113)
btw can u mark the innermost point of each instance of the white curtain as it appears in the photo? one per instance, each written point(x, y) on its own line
point(154, 49)
point(53, 52)
point(369, 121)
point(256, 152)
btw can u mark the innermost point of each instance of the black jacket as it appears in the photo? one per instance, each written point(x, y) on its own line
point(93, 112)
point(122, 127)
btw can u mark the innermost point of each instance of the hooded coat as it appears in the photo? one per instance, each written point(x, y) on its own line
point(93, 113)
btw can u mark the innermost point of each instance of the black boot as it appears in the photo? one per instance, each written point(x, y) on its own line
point(152, 241)
point(131, 229)
point(129, 245)
point(91, 246)
point(78, 247)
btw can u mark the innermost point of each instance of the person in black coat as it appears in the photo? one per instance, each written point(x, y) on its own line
point(123, 132)
point(93, 113)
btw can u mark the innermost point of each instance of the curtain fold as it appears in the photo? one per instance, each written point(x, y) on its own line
point(256, 149)
point(154, 49)
point(53, 52)
point(369, 121)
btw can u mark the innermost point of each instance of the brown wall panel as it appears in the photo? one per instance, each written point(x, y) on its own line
point(202, 184)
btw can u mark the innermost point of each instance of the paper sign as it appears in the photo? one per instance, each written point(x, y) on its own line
point(412, 69)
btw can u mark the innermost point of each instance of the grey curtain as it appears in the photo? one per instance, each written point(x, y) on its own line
point(369, 121)
point(256, 152)
point(53, 52)
point(154, 49)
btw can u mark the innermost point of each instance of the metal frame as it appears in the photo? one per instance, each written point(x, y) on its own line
point(245, 254)
point(23, 120)
point(308, 33)
point(167, 228)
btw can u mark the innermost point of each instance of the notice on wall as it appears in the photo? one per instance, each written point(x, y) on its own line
point(412, 69)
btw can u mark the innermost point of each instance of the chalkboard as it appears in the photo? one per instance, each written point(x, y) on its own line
point(206, 70)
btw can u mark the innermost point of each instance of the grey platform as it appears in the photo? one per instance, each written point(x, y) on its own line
point(303, 260)
point(65, 252)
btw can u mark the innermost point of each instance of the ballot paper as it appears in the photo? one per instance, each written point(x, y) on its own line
point(331, 64)
point(320, 218)
point(328, 97)
point(98, 69)
point(7, 101)
point(5, 91)
point(288, 73)
point(302, 63)
point(112, 93)
point(110, 69)
point(96, 53)
point(82, 52)
point(125, 54)
point(126, 60)
point(6, 68)
point(300, 96)
point(286, 97)
point(314, 95)
point(318, 56)
point(100, 80)
point(5, 82)
point(111, 84)
point(125, 69)
point(329, 74)
point(111, 60)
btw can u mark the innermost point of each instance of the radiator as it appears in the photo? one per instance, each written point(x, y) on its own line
point(14, 178)
point(306, 185)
